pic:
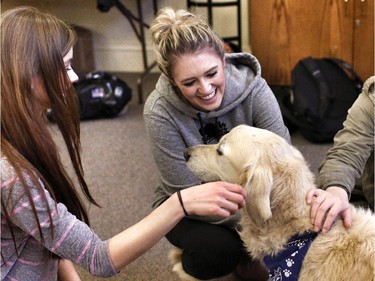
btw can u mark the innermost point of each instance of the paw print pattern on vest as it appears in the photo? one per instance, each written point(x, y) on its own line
point(289, 262)
point(287, 272)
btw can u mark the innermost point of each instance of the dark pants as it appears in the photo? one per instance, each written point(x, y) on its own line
point(209, 251)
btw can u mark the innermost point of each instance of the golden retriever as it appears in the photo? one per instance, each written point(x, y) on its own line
point(277, 178)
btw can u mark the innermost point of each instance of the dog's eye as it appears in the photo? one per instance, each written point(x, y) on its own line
point(219, 152)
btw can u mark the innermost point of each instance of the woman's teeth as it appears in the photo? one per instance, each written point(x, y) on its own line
point(210, 96)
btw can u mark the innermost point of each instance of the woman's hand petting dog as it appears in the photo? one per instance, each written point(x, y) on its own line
point(326, 205)
point(214, 199)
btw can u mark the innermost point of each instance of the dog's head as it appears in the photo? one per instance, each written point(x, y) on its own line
point(248, 156)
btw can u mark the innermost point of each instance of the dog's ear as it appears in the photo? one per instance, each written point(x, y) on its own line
point(257, 181)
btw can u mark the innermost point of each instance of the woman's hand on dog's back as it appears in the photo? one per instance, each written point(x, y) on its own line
point(326, 205)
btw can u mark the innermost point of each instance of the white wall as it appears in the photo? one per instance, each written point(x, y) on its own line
point(116, 47)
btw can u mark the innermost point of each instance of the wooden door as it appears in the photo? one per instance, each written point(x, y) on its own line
point(284, 31)
point(335, 28)
point(363, 40)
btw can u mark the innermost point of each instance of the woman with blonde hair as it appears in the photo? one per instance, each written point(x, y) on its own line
point(44, 222)
point(202, 94)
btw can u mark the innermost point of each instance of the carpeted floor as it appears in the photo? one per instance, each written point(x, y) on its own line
point(122, 176)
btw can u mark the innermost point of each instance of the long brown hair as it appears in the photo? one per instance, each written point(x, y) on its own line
point(33, 44)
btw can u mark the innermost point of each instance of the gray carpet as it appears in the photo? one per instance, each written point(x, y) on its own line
point(122, 176)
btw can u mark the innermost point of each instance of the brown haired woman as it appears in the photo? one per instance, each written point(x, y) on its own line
point(44, 222)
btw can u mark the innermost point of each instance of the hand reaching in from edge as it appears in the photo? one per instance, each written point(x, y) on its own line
point(326, 205)
point(214, 199)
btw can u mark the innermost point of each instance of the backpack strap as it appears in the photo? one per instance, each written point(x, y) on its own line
point(358, 83)
point(314, 70)
point(286, 108)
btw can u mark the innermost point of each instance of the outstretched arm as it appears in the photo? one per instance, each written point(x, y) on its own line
point(217, 199)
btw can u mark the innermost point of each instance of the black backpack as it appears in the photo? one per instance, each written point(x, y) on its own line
point(322, 92)
point(102, 95)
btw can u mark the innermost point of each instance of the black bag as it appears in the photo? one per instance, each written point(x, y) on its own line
point(102, 95)
point(322, 92)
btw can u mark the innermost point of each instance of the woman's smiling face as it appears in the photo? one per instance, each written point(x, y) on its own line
point(200, 78)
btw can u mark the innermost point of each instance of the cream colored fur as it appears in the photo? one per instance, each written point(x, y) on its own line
point(277, 178)
point(175, 258)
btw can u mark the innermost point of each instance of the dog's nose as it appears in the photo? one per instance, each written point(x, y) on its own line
point(186, 155)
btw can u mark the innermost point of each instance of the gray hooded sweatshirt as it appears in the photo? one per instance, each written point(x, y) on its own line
point(173, 124)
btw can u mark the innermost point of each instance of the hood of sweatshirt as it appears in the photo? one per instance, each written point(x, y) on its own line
point(240, 72)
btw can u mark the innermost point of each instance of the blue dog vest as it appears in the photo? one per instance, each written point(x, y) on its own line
point(287, 264)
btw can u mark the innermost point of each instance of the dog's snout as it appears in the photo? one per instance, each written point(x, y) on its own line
point(187, 155)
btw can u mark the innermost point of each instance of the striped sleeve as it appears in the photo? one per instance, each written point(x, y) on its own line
point(71, 239)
